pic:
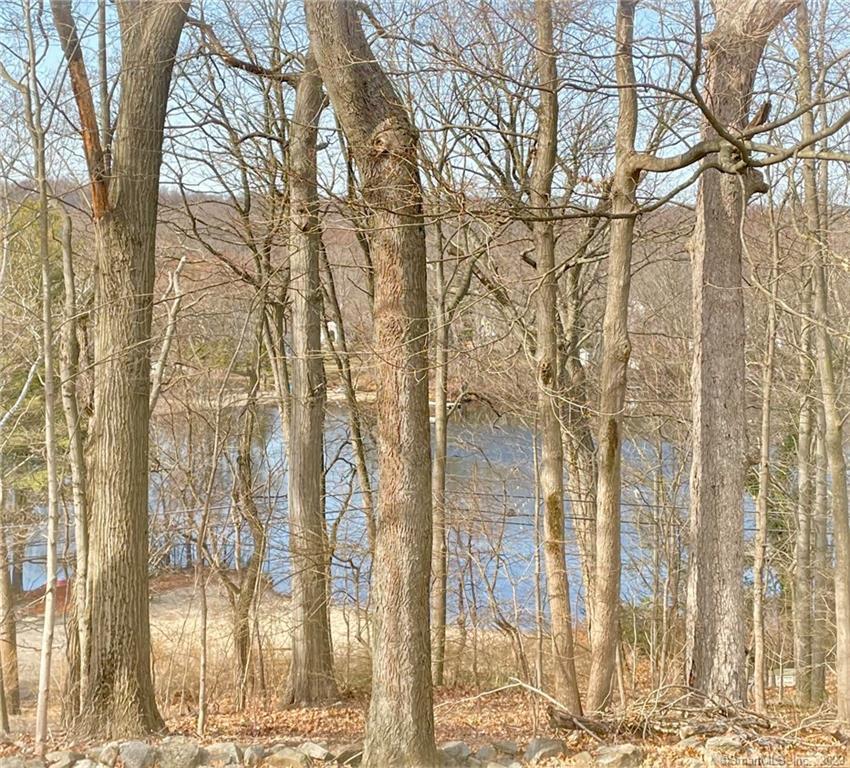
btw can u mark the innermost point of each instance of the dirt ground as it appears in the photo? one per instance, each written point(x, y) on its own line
point(478, 716)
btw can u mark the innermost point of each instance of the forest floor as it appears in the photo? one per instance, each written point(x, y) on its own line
point(494, 709)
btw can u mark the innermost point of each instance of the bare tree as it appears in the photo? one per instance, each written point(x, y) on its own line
point(549, 370)
point(715, 643)
point(616, 348)
point(119, 695)
point(400, 727)
point(311, 677)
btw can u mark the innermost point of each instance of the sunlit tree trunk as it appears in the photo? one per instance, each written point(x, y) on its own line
point(69, 365)
point(119, 700)
point(616, 348)
point(549, 396)
point(400, 725)
point(311, 675)
point(714, 655)
point(802, 609)
point(762, 498)
point(34, 119)
point(833, 421)
point(821, 566)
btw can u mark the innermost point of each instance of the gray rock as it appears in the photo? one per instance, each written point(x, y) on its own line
point(11, 762)
point(540, 749)
point(62, 754)
point(137, 754)
point(352, 755)
point(86, 763)
point(727, 744)
point(493, 764)
point(619, 756)
point(316, 751)
point(178, 752)
point(252, 756)
point(62, 758)
point(583, 758)
point(507, 747)
point(287, 757)
point(221, 754)
point(487, 754)
point(106, 754)
point(457, 751)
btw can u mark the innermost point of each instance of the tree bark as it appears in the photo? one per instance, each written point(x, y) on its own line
point(8, 615)
point(120, 697)
point(400, 725)
point(439, 559)
point(833, 422)
point(243, 594)
point(714, 654)
point(311, 674)
point(616, 349)
point(762, 498)
point(820, 566)
point(577, 436)
point(33, 118)
point(69, 366)
point(549, 395)
point(802, 582)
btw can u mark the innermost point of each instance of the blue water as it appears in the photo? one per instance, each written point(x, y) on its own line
point(490, 510)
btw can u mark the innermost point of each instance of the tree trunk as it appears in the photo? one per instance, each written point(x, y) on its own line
point(120, 698)
point(616, 348)
point(762, 499)
point(69, 364)
point(340, 351)
point(549, 395)
point(577, 436)
point(833, 439)
point(802, 581)
point(400, 726)
point(242, 593)
point(8, 616)
point(439, 560)
point(820, 567)
point(833, 422)
point(311, 674)
point(714, 654)
point(32, 99)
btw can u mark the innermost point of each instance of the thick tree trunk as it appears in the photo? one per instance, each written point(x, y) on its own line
point(616, 348)
point(714, 656)
point(120, 698)
point(311, 674)
point(549, 395)
point(400, 726)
